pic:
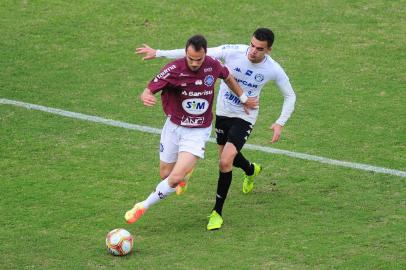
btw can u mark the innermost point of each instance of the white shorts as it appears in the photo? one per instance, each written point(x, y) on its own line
point(175, 139)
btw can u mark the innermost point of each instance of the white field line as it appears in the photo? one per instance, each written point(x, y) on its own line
point(358, 166)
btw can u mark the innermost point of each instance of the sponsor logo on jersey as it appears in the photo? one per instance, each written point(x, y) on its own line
point(197, 93)
point(161, 147)
point(259, 77)
point(237, 69)
point(198, 82)
point(165, 72)
point(183, 84)
point(231, 98)
point(245, 83)
point(192, 121)
point(209, 80)
point(183, 74)
point(209, 69)
point(249, 72)
point(195, 106)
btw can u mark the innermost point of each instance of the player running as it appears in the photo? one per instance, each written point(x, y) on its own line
point(187, 91)
point(252, 67)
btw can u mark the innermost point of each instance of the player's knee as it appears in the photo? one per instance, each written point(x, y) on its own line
point(225, 164)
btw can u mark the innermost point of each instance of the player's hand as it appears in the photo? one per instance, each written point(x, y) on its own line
point(277, 130)
point(148, 98)
point(251, 104)
point(149, 52)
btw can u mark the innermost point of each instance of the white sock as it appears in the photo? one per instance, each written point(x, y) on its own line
point(161, 191)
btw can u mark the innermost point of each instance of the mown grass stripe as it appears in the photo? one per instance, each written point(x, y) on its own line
point(110, 122)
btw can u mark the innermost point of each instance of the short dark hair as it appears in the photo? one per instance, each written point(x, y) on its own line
point(265, 34)
point(198, 42)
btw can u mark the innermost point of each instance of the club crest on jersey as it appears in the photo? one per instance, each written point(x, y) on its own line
point(259, 77)
point(209, 80)
point(195, 106)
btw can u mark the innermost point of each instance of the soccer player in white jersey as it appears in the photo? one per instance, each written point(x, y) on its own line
point(252, 67)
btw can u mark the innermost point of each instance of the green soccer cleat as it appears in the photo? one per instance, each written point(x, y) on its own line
point(248, 183)
point(135, 213)
point(215, 221)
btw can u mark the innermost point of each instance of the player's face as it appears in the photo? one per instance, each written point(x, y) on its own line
point(194, 58)
point(257, 50)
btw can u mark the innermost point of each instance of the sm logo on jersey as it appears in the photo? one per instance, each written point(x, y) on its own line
point(195, 106)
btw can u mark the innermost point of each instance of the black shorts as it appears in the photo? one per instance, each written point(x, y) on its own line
point(233, 130)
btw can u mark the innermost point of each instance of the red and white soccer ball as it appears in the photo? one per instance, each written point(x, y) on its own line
point(119, 242)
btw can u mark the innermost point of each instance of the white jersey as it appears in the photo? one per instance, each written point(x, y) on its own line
point(251, 77)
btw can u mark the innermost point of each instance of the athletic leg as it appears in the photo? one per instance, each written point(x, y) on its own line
point(225, 175)
point(165, 169)
point(241, 162)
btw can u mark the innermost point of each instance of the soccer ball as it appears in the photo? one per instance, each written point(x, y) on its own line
point(119, 242)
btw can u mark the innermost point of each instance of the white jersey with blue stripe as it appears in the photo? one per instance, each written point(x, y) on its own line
point(251, 77)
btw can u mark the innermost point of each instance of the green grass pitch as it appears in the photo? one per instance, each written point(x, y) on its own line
point(65, 183)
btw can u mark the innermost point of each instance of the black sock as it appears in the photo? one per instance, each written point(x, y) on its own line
point(241, 162)
point(223, 185)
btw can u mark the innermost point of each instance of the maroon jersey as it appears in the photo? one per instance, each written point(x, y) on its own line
point(187, 96)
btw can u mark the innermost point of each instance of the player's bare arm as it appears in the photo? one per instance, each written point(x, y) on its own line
point(148, 98)
point(146, 50)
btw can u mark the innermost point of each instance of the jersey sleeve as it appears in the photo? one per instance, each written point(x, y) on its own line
point(157, 85)
point(223, 70)
point(216, 52)
point(289, 100)
point(171, 54)
point(280, 75)
point(162, 80)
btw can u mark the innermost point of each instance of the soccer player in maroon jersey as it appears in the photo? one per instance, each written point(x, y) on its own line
point(253, 68)
point(187, 92)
